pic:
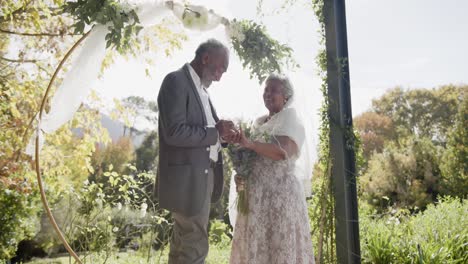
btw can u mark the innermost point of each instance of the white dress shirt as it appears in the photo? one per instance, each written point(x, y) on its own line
point(205, 98)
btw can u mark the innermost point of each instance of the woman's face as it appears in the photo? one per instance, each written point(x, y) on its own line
point(273, 96)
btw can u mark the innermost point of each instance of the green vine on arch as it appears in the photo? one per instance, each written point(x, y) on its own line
point(324, 202)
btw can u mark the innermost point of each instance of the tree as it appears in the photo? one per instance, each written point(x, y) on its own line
point(147, 153)
point(64, 160)
point(414, 142)
point(375, 130)
point(406, 176)
point(454, 164)
point(115, 156)
point(36, 31)
point(423, 112)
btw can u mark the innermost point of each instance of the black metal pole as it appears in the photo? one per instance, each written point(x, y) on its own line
point(341, 144)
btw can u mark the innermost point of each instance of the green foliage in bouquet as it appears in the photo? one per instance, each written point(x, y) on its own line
point(123, 23)
point(258, 52)
point(242, 161)
point(242, 157)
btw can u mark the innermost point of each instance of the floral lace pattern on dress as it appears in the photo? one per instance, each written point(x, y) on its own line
point(276, 229)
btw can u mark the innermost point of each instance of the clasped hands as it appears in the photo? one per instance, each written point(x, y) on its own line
point(230, 134)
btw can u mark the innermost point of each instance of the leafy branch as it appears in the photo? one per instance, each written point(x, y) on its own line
point(123, 24)
point(258, 51)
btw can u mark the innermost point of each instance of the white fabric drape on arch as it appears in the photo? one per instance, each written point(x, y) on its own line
point(86, 65)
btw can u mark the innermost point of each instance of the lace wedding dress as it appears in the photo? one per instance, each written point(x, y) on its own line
point(276, 229)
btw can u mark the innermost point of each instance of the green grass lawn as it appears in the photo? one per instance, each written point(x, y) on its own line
point(216, 255)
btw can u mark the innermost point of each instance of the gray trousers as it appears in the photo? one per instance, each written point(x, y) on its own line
point(189, 241)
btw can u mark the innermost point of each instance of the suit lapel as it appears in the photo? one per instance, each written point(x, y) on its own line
point(213, 112)
point(195, 92)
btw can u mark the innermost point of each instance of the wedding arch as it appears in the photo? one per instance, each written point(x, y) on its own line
point(106, 32)
point(101, 32)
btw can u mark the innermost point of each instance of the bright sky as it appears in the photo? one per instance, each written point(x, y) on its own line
point(413, 44)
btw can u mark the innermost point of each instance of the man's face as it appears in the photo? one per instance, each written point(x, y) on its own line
point(215, 64)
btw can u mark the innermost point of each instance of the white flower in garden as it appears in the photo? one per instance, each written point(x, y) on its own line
point(119, 206)
point(115, 229)
point(143, 208)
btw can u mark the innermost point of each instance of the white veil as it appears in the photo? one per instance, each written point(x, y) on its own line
point(296, 122)
point(304, 163)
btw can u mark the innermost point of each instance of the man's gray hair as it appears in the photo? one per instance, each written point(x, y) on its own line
point(209, 46)
point(288, 89)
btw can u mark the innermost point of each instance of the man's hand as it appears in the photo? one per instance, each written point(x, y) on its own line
point(233, 139)
point(226, 129)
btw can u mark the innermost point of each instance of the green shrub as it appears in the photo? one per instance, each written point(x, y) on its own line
point(437, 235)
point(111, 214)
point(219, 233)
point(18, 218)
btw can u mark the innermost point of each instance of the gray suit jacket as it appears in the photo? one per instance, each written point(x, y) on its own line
point(184, 146)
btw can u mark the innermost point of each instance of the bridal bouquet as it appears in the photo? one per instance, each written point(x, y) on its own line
point(243, 161)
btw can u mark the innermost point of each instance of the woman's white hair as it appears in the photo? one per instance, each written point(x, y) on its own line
point(287, 86)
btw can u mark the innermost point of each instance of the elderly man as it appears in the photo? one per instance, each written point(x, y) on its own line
point(190, 171)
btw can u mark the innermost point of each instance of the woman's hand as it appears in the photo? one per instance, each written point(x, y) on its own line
point(243, 140)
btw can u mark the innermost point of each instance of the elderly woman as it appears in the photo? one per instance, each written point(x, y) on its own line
point(276, 229)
